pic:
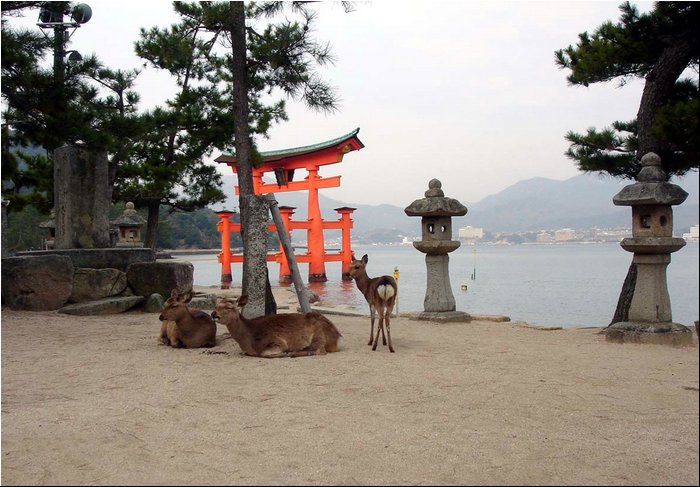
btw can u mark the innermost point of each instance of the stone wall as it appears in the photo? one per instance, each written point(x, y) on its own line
point(52, 281)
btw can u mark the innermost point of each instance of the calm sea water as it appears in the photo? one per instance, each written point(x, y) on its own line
point(568, 285)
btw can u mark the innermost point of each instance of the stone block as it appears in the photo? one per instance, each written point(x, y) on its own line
point(154, 303)
point(104, 306)
point(146, 278)
point(83, 195)
point(92, 284)
point(100, 258)
point(202, 301)
point(36, 283)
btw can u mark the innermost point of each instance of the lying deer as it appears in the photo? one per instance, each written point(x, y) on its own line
point(281, 335)
point(380, 293)
point(185, 328)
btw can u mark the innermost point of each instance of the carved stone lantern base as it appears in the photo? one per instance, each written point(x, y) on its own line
point(667, 333)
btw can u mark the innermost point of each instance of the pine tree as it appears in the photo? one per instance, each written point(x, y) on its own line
point(283, 57)
point(658, 47)
point(87, 103)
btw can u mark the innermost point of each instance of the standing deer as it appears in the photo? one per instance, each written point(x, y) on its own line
point(380, 293)
point(185, 328)
point(281, 335)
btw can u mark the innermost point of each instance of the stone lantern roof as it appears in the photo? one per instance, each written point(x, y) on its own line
point(130, 217)
point(651, 187)
point(435, 203)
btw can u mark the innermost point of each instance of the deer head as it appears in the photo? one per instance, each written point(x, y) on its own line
point(228, 309)
point(174, 305)
point(357, 267)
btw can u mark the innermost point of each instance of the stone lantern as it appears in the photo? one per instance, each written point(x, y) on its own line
point(652, 242)
point(129, 225)
point(436, 212)
point(50, 225)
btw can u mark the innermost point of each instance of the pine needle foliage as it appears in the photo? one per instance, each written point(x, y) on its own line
point(662, 47)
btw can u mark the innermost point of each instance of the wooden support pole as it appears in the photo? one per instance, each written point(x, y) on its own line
point(286, 242)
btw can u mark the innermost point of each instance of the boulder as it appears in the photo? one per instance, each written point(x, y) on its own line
point(146, 278)
point(100, 258)
point(104, 306)
point(36, 283)
point(202, 301)
point(92, 284)
point(154, 303)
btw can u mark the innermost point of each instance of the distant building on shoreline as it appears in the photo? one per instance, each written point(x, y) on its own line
point(544, 237)
point(564, 235)
point(693, 235)
point(470, 233)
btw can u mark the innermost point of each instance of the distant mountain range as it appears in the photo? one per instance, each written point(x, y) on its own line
point(581, 202)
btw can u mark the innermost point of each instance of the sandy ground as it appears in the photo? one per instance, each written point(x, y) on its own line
point(97, 401)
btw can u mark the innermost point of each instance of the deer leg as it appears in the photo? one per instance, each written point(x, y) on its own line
point(318, 344)
point(371, 329)
point(387, 316)
point(164, 333)
point(382, 317)
point(302, 353)
point(274, 352)
point(380, 327)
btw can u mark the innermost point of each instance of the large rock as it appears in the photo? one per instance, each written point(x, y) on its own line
point(104, 306)
point(100, 258)
point(153, 304)
point(202, 301)
point(146, 278)
point(36, 283)
point(91, 284)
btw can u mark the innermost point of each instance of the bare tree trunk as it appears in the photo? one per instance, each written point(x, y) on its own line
point(625, 300)
point(151, 239)
point(658, 86)
point(253, 219)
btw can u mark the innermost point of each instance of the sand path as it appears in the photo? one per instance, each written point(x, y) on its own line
point(96, 401)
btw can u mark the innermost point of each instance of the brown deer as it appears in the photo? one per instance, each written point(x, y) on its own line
point(281, 335)
point(380, 293)
point(185, 328)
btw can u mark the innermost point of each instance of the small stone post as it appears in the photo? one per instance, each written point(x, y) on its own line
point(436, 212)
point(652, 243)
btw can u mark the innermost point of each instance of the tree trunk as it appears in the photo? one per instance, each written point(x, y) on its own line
point(625, 300)
point(658, 86)
point(253, 218)
point(657, 89)
point(152, 224)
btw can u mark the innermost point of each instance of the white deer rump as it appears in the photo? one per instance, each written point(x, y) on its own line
point(385, 292)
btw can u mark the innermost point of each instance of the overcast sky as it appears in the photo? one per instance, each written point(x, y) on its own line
point(466, 92)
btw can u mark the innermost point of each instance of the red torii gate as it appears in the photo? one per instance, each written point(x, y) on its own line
point(282, 164)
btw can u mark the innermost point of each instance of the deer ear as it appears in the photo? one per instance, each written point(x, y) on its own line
point(173, 293)
point(187, 297)
point(365, 258)
point(242, 300)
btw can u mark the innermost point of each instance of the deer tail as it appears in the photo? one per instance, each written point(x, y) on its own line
point(385, 292)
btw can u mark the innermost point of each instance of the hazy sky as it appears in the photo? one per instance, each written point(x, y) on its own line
point(466, 92)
